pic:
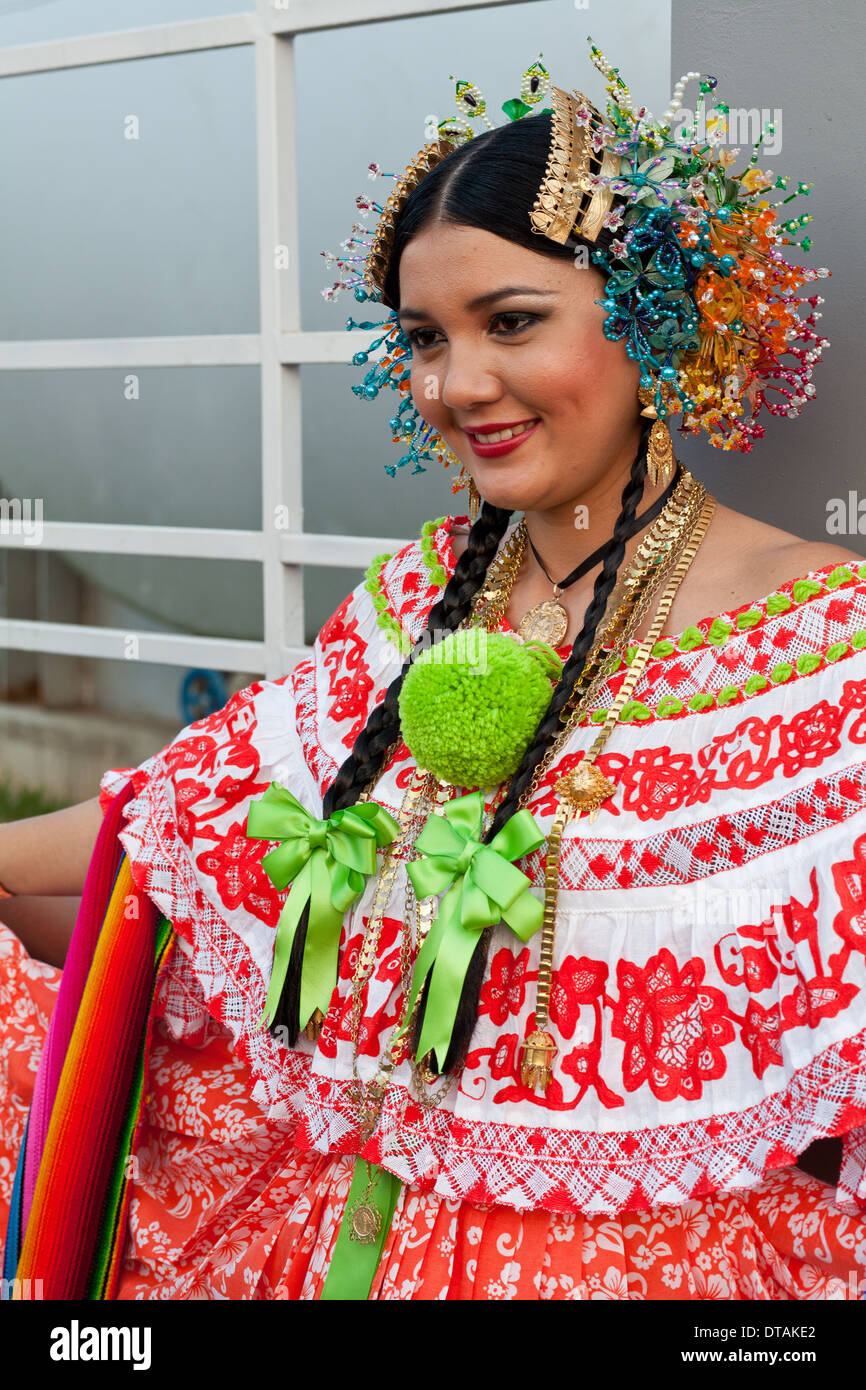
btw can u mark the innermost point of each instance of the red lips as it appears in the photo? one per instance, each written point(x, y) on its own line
point(503, 446)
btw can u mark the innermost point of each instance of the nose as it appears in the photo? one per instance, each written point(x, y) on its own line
point(469, 378)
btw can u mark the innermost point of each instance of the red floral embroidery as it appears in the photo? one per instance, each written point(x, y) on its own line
point(503, 1059)
point(827, 996)
point(186, 795)
point(854, 698)
point(197, 752)
point(504, 990)
point(810, 737)
point(849, 879)
point(350, 681)
point(582, 1062)
point(658, 782)
point(759, 972)
point(234, 862)
point(761, 1033)
point(673, 1025)
point(388, 951)
point(578, 981)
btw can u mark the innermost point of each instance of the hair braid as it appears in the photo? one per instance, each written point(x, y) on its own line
point(547, 731)
point(382, 728)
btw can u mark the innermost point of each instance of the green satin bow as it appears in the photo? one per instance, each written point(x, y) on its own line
point(485, 888)
point(325, 861)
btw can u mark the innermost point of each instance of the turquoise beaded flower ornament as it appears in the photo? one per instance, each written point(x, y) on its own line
point(696, 285)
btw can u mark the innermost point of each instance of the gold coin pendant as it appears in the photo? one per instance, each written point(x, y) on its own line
point(366, 1221)
point(546, 622)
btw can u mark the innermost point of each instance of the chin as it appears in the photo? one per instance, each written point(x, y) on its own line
point(510, 494)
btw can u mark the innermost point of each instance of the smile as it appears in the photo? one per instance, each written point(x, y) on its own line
point(487, 444)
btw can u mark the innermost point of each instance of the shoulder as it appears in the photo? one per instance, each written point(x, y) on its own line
point(761, 558)
point(771, 548)
point(742, 557)
point(459, 529)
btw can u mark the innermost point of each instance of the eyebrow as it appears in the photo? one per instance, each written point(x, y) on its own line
point(479, 301)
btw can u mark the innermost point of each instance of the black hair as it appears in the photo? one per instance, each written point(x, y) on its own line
point(490, 182)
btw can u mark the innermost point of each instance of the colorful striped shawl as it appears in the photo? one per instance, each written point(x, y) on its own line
point(67, 1224)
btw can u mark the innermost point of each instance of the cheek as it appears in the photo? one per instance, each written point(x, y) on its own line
point(426, 389)
point(594, 376)
point(570, 382)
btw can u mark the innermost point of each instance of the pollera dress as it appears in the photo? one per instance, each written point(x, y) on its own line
point(708, 998)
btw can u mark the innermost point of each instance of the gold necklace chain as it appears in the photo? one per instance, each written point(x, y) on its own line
point(492, 599)
point(638, 589)
point(585, 788)
point(489, 605)
point(659, 552)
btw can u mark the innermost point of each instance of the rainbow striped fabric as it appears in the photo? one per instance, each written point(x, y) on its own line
point(72, 1186)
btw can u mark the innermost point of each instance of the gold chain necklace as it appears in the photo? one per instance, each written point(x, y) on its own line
point(662, 538)
point(671, 545)
point(425, 794)
point(584, 789)
point(548, 621)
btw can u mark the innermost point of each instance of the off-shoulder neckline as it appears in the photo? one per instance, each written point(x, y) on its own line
point(712, 623)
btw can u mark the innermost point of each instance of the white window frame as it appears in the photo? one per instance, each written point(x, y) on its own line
point(279, 348)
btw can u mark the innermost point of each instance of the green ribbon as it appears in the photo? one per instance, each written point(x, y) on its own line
point(326, 861)
point(484, 889)
point(353, 1265)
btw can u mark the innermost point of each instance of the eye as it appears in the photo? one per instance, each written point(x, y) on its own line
point(524, 320)
point(415, 339)
point(514, 314)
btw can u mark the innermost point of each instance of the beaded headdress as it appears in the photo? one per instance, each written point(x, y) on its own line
point(696, 285)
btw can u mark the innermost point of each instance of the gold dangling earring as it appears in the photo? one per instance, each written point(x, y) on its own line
point(660, 462)
point(464, 479)
point(474, 502)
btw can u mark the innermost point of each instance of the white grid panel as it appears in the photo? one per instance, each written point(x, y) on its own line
point(280, 348)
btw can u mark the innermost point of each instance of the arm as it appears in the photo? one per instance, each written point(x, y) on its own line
point(44, 862)
point(50, 854)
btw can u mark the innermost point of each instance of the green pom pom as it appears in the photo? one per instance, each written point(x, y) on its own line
point(719, 630)
point(690, 638)
point(470, 704)
point(778, 603)
point(805, 588)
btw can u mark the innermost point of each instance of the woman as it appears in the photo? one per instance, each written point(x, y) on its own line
point(705, 1000)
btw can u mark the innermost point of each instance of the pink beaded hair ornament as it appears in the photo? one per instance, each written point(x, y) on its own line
point(696, 284)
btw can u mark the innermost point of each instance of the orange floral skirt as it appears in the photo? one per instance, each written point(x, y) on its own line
point(224, 1206)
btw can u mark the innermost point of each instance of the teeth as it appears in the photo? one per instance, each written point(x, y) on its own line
point(502, 434)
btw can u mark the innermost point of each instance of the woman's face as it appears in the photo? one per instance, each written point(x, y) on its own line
point(535, 355)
